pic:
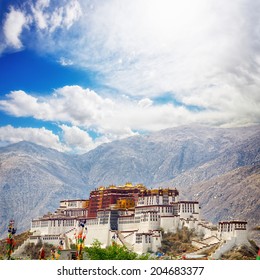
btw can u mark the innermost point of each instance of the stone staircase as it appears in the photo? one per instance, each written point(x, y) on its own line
point(122, 240)
point(18, 252)
point(224, 247)
point(206, 247)
point(66, 239)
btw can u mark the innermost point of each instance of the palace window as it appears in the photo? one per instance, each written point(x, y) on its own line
point(147, 239)
point(138, 238)
point(44, 223)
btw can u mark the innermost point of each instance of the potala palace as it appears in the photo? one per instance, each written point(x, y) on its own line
point(134, 216)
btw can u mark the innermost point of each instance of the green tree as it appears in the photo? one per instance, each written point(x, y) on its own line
point(112, 252)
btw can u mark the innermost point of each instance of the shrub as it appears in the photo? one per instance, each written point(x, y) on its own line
point(112, 252)
point(177, 243)
point(32, 251)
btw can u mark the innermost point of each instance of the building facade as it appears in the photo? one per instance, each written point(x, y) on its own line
point(130, 215)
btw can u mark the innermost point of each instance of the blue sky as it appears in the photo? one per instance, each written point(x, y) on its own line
point(79, 73)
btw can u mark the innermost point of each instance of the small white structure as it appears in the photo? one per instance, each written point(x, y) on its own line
point(231, 233)
point(233, 229)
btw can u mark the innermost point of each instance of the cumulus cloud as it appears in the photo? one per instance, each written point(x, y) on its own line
point(71, 139)
point(117, 118)
point(77, 111)
point(21, 104)
point(41, 136)
point(77, 139)
point(84, 107)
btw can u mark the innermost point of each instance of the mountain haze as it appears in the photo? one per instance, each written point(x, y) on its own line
point(194, 159)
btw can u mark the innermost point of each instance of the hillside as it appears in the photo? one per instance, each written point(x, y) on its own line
point(202, 162)
point(233, 195)
point(185, 155)
point(32, 181)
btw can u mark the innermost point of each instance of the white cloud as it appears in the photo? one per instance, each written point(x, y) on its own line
point(204, 53)
point(77, 111)
point(116, 118)
point(72, 12)
point(47, 16)
point(50, 16)
point(42, 4)
point(41, 136)
point(71, 139)
point(56, 19)
point(145, 103)
point(40, 17)
point(77, 139)
point(13, 26)
point(201, 53)
point(21, 104)
point(65, 62)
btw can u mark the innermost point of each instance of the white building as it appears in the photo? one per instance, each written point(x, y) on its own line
point(139, 228)
point(60, 225)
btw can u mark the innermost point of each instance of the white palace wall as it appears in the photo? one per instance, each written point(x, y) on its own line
point(139, 228)
point(98, 232)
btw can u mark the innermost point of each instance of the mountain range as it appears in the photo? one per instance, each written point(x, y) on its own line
point(219, 167)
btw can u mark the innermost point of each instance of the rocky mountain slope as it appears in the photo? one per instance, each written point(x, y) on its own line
point(33, 179)
point(233, 195)
point(186, 155)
